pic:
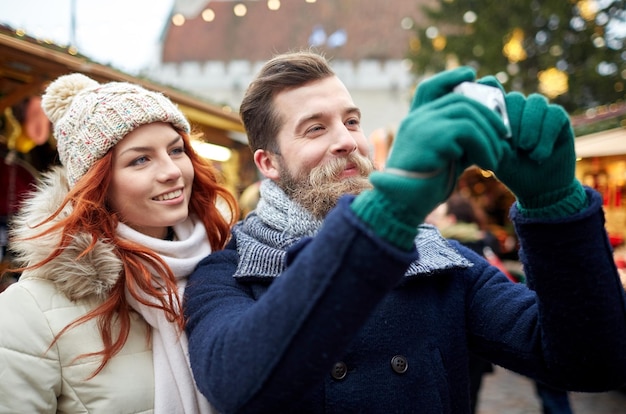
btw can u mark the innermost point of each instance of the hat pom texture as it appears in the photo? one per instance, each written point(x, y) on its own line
point(61, 92)
point(90, 118)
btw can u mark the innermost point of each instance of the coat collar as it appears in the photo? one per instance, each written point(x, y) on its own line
point(435, 253)
point(92, 274)
point(261, 259)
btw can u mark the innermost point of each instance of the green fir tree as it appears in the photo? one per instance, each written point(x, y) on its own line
point(573, 51)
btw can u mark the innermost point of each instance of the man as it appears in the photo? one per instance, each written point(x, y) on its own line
point(329, 301)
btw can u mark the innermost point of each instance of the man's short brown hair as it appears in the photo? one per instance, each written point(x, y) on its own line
point(284, 71)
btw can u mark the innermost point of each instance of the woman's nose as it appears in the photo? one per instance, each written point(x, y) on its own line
point(169, 170)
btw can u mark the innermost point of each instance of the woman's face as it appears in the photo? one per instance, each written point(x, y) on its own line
point(151, 179)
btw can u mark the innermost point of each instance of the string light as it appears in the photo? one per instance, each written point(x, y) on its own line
point(587, 9)
point(513, 48)
point(240, 10)
point(273, 4)
point(178, 19)
point(208, 15)
point(553, 82)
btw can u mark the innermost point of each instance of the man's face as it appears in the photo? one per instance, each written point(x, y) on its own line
point(323, 151)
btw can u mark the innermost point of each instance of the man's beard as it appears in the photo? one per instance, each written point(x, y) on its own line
point(319, 191)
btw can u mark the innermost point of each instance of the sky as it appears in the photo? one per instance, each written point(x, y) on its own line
point(120, 33)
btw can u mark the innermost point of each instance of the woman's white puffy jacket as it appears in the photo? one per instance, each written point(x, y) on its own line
point(36, 377)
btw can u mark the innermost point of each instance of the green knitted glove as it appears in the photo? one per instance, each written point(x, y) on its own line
point(539, 167)
point(440, 85)
point(434, 144)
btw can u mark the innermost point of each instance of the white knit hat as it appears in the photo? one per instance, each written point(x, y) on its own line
point(90, 118)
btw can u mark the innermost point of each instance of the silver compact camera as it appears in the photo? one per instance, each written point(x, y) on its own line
point(490, 96)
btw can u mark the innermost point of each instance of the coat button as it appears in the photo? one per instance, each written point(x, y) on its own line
point(399, 364)
point(340, 369)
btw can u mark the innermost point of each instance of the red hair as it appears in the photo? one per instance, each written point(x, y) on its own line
point(92, 215)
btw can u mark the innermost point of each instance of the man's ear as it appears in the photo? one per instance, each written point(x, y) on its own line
point(266, 163)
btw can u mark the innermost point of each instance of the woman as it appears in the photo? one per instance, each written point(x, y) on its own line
point(107, 241)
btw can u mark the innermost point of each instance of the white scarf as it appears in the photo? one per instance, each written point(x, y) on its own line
point(174, 387)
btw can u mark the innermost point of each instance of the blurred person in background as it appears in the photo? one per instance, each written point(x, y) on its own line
point(26, 149)
point(458, 218)
point(461, 219)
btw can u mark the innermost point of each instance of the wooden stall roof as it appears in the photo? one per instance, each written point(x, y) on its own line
point(27, 65)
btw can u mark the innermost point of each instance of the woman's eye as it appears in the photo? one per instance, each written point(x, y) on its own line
point(139, 161)
point(177, 151)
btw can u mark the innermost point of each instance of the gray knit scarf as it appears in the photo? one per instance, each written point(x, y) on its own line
point(266, 234)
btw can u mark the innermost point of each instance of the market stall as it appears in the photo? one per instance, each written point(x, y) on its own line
point(27, 65)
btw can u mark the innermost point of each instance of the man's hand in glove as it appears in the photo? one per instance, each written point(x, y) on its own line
point(539, 165)
point(443, 134)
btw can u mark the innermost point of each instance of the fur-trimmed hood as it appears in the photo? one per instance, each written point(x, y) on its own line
point(93, 274)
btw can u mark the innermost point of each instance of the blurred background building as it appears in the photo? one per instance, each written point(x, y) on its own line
point(208, 51)
point(215, 49)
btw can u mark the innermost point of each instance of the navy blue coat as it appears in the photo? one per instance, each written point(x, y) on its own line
point(343, 329)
